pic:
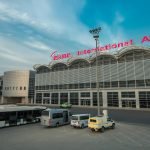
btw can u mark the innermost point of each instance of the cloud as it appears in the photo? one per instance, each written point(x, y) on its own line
point(38, 45)
point(56, 23)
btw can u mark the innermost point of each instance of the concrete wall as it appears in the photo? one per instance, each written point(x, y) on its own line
point(14, 83)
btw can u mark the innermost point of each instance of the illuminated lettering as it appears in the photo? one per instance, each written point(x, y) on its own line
point(100, 48)
point(146, 39)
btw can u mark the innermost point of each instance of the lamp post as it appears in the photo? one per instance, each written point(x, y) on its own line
point(95, 32)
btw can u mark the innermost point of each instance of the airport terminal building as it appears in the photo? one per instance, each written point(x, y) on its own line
point(124, 80)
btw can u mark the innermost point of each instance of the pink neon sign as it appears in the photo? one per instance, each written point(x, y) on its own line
point(55, 56)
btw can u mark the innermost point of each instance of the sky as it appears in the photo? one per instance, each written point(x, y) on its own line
point(30, 30)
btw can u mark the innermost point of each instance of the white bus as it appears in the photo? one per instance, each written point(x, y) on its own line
point(11, 115)
point(55, 117)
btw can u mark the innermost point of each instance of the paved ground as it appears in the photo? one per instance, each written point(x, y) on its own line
point(36, 137)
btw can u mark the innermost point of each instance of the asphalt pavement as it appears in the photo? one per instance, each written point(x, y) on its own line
point(36, 137)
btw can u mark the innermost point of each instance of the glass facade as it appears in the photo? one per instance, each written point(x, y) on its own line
point(144, 98)
point(112, 99)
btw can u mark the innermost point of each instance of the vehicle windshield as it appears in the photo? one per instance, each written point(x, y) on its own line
point(74, 118)
point(92, 120)
point(45, 113)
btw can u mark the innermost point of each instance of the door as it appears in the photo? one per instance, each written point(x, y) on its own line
point(85, 102)
point(129, 103)
point(65, 116)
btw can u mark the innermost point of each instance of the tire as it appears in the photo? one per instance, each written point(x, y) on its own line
point(92, 130)
point(82, 126)
point(57, 124)
point(102, 129)
point(113, 126)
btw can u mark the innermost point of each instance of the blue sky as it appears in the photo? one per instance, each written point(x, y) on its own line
point(31, 29)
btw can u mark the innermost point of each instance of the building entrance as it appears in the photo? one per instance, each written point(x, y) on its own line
point(130, 103)
point(85, 102)
point(46, 101)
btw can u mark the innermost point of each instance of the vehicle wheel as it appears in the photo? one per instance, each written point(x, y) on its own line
point(102, 129)
point(113, 126)
point(82, 126)
point(92, 130)
point(57, 124)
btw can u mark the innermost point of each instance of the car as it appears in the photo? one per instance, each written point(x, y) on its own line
point(66, 105)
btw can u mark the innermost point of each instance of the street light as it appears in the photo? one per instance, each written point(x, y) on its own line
point(95, 32)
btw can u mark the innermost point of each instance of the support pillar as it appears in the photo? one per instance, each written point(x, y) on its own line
point(137, 99)
point(119, 99)
point(104, 94)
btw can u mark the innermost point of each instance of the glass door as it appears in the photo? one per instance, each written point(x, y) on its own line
point(85, 102)
point(129, 103)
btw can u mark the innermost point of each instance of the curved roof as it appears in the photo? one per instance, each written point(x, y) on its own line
point(78, 59)
point(39, 66)
point(116, 56)
point(57, 63)
point(125, 50)
point(104, 54)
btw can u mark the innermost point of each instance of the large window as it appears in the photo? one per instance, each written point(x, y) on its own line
point(122, 84)
point(74, 98)
point(39, 98)
point(95, 99)
point(84, 85)
point(129, 103)
point(144, 99)
point(140, 83)
point(114, 84)
point(46, 95)
point(54, 98)
point(112, 99)
point(128, 94)
point(85, 94)
point(63, 98)
point(93, 85)
point(131, 83)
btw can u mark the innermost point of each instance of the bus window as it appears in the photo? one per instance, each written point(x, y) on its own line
point(45, 113)
point(20, 115)
point(29, 116)
point(57, 115)
point(2, 116)
point(12, 118)
point(36, 113)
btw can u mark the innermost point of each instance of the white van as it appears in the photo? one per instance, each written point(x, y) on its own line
point(80, 120)
point(55, 117)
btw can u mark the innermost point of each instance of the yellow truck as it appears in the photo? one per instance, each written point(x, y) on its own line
point(100, 123)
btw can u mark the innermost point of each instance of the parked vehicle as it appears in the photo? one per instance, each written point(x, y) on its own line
point(80, 120)
point(11, 115)
point(55, 117)
point(100, 123)
point(66, 105)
